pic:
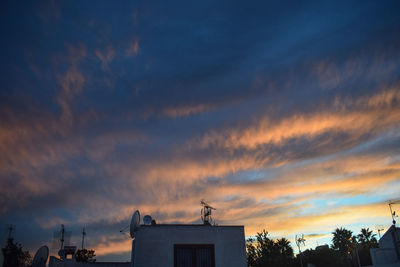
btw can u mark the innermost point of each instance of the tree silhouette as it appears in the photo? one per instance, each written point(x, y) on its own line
point(85, 255)
point(263, 251)
point(14, 256)
point(324, 257)
point(342, 240)
point(367, 238)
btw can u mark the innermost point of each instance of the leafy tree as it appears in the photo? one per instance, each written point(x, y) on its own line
point(263, 251)
point(14, 256)
point(85, 255)
point(367, 240)
point(342, 240)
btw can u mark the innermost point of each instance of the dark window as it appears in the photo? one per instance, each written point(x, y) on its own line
point(194, 255)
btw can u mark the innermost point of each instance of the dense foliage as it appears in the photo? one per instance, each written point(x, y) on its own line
point(263, 251)
point(14, 256)
point(85, 255)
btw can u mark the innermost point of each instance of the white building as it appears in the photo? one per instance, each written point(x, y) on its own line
point(189, 245)
point(388, 253)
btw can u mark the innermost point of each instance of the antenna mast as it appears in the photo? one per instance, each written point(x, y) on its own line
point(393, 213)
point(206, 213)
point(83, 236)
point(11, 229)
point(62, 236)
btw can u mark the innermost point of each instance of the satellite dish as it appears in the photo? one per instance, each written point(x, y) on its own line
point(41, 256)
point(135, 223)
point(147, 220)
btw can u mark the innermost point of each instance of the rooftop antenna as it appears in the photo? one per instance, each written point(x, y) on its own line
point(299, 242)
point(83, 236)
point(60, 239)
point(393, 212)
point(10, 230)
point(206, 213)
point(41, 256)
point(62, 236)
point(394, 234)
point(379, 228)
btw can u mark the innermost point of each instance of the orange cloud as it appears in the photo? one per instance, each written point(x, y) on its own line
point(355, 122)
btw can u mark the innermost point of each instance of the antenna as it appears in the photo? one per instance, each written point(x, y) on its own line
point(83, 236)
point(300, 241)
point(60, 239)
point(62, 236)
point(379, 228)
point(206, 213)
point(10, 231)
point(393, 213)
point(41, 256)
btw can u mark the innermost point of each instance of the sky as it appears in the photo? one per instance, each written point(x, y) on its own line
point(283, 115)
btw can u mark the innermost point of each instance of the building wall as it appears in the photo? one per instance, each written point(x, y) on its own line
point(154, 244)
point(385, 255)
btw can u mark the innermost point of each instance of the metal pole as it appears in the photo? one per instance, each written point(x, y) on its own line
point(62, 236)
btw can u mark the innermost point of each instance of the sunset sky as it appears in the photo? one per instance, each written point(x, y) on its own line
point(285, 116)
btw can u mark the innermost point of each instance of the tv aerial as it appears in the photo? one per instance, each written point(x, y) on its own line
point(393, 212)
point(206, 213)
point(147, 220)
point(10, 230)
point(83, 236)
point(60, 239)
point(379, 228)
point(40, 258)
point(300, 241)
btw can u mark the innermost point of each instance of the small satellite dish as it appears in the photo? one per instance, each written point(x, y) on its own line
point(147, 220)
point(41, 256)
point(135, 223)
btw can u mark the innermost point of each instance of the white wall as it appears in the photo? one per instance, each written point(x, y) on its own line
point(155, 244)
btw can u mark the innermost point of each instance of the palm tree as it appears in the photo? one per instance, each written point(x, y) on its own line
point(367, 241)
point(342, 240)
point(367, 238)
